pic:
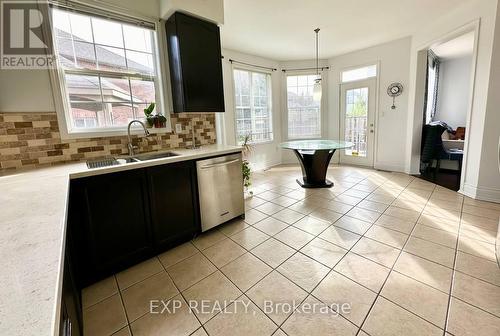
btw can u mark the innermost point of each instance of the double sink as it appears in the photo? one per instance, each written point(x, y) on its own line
point(111, 161)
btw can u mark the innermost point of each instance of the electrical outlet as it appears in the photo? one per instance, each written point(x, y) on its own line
point(178, 128)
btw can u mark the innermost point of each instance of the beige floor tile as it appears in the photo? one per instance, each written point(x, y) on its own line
point(326, 253)
point(477, 247)
point(294, 237)
point(455, 205)
point(364, 214)
point(476, 292)
point(199, 332)
point(340, 237)
point(417, 297)
point(317, 323)
point(443, 213)
point(242, 318)
point(395, 223)
point(253, 201)
point(481, 204)
point(444, 224)
point(179, 253)
point(252, 216)
point(138, 272)
point(373, 206)
point(435, 252)
point(303, 207)
point(176, 322)
point(478, 267)
point(105, 317)
point(478, 233)
point(375, 251)
point(337, 289)
point(233, 227)
point(279, 332)
point(211, 295)
point(137, 297)
point(353, 224)
point(191, 270)
point(123, 332)
point(387, 236)
point(493, 214)
point(337, 206)
point(207, 239)
point(246, 271)
point(274, 291)
point(325, 215)
point(466, 320)
point(404, 214)
point(223, 252)
point(348, 199)
point(437, 236)
point(428, 272)
point(284, 201)
point(269, 208)
point(356, 193)
point(363, 271)
point(312, 225)
point(381, 198)
point(303, 271)
point(99, 291)
point(386, 318)
point(409, 204)
point(288, 216)
point(269, 195)
point(273, 252)
point(249, 238)
point(482, 222)
point(270, 225)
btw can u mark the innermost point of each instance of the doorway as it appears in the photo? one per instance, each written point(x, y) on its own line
point(357, 121)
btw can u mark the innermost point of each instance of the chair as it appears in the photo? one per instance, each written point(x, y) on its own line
point(432, 146)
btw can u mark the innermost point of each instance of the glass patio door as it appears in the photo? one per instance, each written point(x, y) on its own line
point(357, 121)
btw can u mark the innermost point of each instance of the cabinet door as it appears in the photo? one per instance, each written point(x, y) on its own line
point(116, 227)
point(71, 314)
point(174, 203)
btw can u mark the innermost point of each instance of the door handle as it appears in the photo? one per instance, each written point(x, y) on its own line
point(219, 164)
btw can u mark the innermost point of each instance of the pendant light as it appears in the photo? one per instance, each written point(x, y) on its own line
point(317, 82)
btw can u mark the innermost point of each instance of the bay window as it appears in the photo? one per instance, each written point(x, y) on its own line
point(304, 112)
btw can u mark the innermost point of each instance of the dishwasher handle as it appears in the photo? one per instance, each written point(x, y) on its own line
point(219, 164)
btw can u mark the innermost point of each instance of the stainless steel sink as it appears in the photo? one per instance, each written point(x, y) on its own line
point(152, 156)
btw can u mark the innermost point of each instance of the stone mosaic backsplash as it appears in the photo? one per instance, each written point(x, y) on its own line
point(29, 140)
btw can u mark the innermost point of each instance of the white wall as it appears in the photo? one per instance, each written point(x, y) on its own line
point(212, 10)
point(393, 59)
point(453, 93)
point(263, 155)
point(459, 21)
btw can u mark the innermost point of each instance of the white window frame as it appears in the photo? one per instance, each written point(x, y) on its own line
point(270, 104)
point(322, 105)
point(61, 99)
point(360, 66)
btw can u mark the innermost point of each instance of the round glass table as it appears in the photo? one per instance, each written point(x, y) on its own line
point(314, 157)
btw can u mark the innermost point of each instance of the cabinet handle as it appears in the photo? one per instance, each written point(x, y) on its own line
point(219, 164)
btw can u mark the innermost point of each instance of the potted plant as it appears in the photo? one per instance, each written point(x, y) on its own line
point(247, 171)
point(155, 120)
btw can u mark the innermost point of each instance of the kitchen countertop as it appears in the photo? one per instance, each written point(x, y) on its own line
point(33, 228)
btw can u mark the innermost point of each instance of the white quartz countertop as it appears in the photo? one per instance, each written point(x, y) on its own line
point(33, 206)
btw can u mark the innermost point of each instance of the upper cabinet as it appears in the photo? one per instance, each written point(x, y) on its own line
point(194, 53)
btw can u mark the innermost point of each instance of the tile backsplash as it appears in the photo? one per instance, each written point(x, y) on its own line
point(28, 140)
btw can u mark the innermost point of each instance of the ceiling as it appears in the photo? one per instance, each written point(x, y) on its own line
point(283, 29)
point(456, 48)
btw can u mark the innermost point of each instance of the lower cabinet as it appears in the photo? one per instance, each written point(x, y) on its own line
point(71, 323)
point(174, 203)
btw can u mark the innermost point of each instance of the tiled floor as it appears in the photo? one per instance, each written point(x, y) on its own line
point(409, 258)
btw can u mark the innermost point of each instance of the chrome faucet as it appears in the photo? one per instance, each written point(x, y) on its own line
point(130, 146)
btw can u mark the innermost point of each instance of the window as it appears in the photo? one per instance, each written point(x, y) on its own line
point(108, 69)
point(304, 113)
point(253, 106)
point(359, 73)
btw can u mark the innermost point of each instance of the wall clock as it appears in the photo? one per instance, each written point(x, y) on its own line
point(394, 90)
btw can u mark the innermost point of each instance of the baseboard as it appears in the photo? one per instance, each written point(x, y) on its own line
point(265, 165)
point(481, 193)
point(389, 167)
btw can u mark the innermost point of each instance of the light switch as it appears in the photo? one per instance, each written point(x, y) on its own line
point(178, 128)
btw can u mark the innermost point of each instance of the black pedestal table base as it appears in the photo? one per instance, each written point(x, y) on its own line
point(314, 164)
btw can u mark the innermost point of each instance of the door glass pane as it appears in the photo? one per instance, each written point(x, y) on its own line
point(356, 121)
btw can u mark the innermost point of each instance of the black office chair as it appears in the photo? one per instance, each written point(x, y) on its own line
point(432, 146)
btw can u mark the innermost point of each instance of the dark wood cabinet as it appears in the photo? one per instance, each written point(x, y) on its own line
point(71, 323)
point(174, 204)
point(110, 222)
point(194, 52)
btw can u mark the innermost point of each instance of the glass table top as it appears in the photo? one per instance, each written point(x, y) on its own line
point(316, 144)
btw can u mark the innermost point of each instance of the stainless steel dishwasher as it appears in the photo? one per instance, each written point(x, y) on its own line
point(220, 186)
